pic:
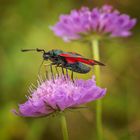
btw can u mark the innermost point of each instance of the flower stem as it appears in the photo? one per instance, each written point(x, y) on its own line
point(64, 127)
point(95, 48)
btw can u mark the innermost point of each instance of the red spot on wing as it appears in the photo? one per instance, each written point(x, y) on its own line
point(89, 61)
point(86, 61)
point(65, 55)
point(71, 59)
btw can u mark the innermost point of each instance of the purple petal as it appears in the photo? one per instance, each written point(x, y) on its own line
point(103, 21)
point(60, 94)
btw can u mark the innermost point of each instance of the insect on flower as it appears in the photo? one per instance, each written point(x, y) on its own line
point(68, 60)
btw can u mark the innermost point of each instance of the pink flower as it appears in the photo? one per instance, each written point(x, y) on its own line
point(96, 23)
point(51, 96)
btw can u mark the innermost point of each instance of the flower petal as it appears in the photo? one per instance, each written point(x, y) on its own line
point(60, 94)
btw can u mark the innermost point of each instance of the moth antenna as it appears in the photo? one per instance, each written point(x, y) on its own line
point(38, 50)
point(26, 50)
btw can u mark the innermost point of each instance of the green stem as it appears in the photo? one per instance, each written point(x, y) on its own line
point(64, 127)
point(95, 48)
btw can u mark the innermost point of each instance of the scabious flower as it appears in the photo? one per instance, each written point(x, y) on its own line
point(87, 24)
point(59, 94)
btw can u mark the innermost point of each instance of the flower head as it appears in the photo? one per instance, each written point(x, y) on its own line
point(83, 23)
point(58, 95)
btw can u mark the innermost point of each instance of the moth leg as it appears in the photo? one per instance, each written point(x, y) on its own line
point(63, 70)
point(46, 71)
point(72, 76)
point(67, 73)
point(56, 67)
point(46, 74)
point(52, 70)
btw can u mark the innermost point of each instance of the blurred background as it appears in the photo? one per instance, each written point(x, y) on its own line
point(25, 24)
